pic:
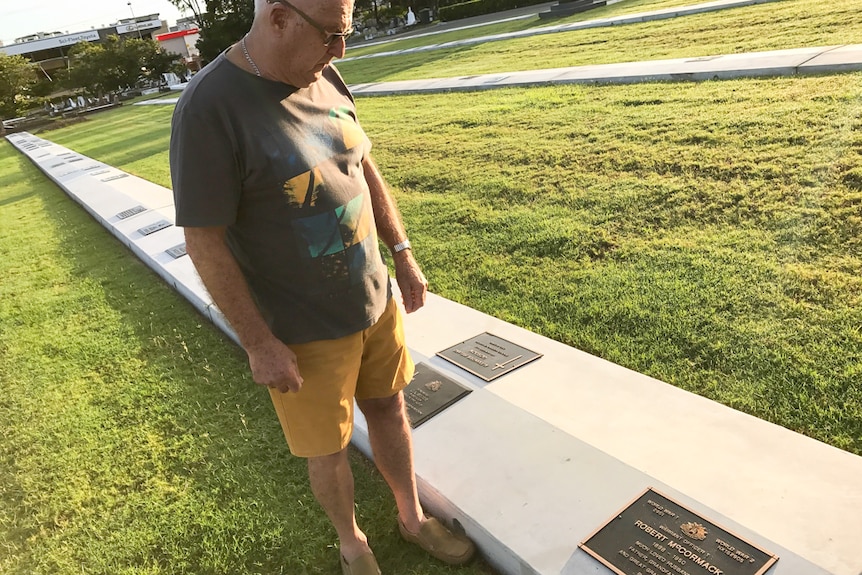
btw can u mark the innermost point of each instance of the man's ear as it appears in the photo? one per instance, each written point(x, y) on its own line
point(278, 17)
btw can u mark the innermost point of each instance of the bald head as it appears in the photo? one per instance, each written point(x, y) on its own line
point(260, 5)
point(293, 41)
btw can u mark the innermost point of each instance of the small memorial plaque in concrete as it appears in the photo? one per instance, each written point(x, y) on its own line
point(488, 356)
point(655, 534)
point(177, 251)
point(116, 177)
point(153, 228)
point(131, 212)
point(99, 173)
point(429, 393)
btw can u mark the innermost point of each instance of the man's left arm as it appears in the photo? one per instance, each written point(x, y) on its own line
point(390, 229)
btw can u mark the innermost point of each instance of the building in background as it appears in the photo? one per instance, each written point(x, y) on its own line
point(50, 50)
point(186, 23)
point(183, 42)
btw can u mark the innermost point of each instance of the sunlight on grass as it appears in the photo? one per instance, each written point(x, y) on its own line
point(709, 235)
point(618, 9)
point(705, 234)
point(133, 440)
point(773, 26)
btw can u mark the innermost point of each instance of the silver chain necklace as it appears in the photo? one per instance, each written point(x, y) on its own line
point(248, 57)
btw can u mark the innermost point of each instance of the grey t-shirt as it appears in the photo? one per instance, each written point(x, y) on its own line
point(281, 167)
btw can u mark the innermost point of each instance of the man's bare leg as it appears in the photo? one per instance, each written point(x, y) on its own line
point(332, 484)
point(392, 444)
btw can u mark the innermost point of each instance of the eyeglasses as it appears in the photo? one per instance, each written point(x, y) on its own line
point(328, 37)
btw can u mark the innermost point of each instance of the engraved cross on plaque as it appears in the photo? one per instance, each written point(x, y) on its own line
point(505, 363)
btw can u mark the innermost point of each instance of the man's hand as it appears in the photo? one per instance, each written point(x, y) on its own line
point(273, 364)
point(410, 280)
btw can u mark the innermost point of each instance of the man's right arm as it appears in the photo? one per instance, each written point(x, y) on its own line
point(273, 364)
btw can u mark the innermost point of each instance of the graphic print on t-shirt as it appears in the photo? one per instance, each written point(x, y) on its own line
point(334, 237)
point(302, 190)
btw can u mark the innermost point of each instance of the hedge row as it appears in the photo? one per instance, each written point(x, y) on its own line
point(480, 7)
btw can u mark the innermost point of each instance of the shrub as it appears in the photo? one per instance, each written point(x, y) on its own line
point(480, 7)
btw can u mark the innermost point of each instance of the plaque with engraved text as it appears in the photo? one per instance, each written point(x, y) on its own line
point(114, 177)
point(429, 393)
point(153, 228)
point(655, 535)
point(488, 356)
point(177, 251)
point(131, 212)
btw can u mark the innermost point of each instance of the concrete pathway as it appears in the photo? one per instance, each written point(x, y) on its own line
point(797, 61)
point(824, 60)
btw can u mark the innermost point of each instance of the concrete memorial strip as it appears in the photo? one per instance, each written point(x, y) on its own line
point(535, 462)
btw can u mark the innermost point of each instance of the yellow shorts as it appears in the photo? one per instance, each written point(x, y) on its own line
point(372, 363)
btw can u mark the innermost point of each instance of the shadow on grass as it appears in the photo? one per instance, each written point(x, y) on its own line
point(234, 499)
point(14, 199)
point(123, 145)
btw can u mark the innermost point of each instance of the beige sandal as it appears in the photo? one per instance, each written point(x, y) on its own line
point(441, 543)
point(363, 565)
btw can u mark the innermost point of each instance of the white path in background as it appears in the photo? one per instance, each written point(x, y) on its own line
point(797, 61)
point(598, 23)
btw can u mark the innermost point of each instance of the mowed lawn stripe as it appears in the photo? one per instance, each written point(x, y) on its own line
point(133, 440)
point(774, 26)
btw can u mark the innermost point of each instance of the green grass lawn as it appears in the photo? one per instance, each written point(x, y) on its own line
point(618, 9)
point(772, 26)
point(133, 440)
point(705, 234)
point(709, 235)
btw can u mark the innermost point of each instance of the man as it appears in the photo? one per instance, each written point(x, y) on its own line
point(282, 205)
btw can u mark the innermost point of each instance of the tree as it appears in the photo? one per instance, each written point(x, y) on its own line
point(117, 64)
point(157, 61)
point(364, 5)
point(192, 6)
point(17, 78)
point(92, 68)
point(224, 22)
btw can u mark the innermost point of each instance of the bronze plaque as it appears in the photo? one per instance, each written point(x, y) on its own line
point(153, 228)
point(429, 393)
point(488, 356)
point(114, 177)
point(655, 535)
point(131, 212)
point(177, 251)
